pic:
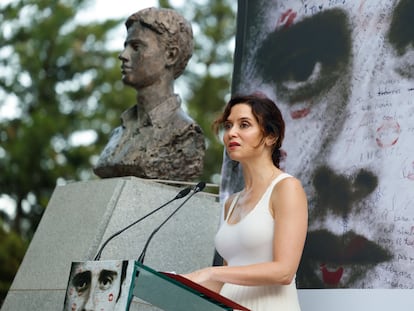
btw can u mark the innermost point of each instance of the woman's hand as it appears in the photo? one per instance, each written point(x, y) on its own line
point(204, 278)
point(199, 276)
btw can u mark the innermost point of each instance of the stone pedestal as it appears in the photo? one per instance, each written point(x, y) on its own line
point(82, 215)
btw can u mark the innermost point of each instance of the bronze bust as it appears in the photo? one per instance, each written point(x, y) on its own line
point(157, 139)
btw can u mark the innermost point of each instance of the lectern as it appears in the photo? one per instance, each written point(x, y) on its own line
point(172, 292)
point(111, 284)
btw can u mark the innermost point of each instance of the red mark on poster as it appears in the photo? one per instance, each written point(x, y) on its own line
point(286, 19)
point(300, 113)
point(331, 277)
point(388, 133)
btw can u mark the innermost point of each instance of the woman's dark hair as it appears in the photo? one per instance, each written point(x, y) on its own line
point(267, 115)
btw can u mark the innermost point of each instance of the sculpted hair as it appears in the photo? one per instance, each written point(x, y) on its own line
point(267, 115)
point(173, 30)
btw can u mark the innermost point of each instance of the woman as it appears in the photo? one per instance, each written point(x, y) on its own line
point(264, 227)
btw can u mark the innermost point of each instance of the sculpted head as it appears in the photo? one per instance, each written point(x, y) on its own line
point(173, 31)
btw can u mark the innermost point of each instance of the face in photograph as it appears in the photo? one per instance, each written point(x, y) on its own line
point(342, 73)
point(94, 286)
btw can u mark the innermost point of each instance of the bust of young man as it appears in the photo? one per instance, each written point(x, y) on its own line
point(157, 139)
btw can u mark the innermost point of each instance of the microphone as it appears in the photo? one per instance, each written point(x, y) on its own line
point(184, 192)
point(197, 188)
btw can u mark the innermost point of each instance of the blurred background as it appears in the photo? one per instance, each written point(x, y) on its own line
point(61, 95)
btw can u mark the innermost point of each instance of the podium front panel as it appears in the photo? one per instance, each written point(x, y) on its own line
point(168, 294)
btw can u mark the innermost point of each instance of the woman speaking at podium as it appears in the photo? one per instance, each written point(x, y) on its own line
point(262, 234)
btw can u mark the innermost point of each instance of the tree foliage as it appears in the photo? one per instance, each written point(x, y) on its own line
point(12, 249)
point(64, 80)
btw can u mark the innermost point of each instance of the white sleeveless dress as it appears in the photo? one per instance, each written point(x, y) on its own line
point(248, 242)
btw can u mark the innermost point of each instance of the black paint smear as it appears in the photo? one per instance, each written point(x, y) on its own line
point(401, 32)
point(354, 252)
point(337, 193)
point(325, 247)
point(291, 53)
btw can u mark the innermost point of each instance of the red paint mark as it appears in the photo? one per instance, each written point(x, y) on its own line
point(331, 278)
point(286, 19)
point(111, 297)
point(74, 306)
point(388, 133)
point(409, 172)
point(300, 113)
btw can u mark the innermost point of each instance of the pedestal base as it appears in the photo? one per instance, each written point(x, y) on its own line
point(81, 216)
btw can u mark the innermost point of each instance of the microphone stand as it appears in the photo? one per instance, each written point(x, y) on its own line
point(199, 187)
point(180, 195)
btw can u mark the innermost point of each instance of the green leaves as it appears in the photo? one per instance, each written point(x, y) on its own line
point(60, 73)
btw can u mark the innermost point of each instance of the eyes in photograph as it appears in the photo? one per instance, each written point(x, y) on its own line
point(308, 57)
point(82, 281)
point(401, 38)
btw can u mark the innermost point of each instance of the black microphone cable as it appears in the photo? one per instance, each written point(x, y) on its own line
point(197, 188)
point(184, 192)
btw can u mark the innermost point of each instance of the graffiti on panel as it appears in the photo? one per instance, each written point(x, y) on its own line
point(342, 72)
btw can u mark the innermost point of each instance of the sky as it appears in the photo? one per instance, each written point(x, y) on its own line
point(119, 8)
point(104, 9)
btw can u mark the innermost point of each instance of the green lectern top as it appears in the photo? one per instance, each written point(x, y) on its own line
point(172, 292)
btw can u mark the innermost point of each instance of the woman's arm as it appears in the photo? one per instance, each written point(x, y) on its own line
point(290, 210)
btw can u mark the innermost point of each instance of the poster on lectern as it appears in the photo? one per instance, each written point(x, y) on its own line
point(342, 73)
point(100, 285)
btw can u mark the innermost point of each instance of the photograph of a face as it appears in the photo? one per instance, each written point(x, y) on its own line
point(342, 74)
point(100, 285)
